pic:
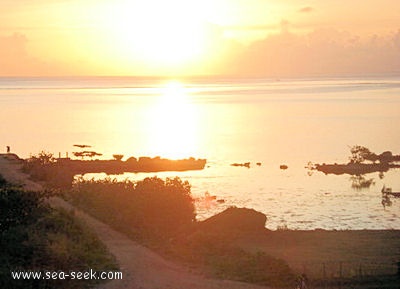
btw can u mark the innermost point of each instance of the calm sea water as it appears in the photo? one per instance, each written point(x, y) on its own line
point(273, 122)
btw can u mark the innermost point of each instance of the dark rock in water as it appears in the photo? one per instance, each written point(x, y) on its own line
point(247, 165)
point(220, 201)
point(283, 167)
point(258, 164)
point(354, 168)
point(237, 219)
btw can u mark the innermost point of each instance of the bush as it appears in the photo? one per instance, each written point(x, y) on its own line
point(150, 210)
point(39, 166)
point(3, 181)
point(35, 237)
point(19, 207)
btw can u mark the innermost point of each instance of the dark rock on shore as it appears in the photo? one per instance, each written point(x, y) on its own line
point(235, 219)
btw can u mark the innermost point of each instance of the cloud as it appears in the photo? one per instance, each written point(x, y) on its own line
point(324, 52)
point(15, 59)
point(306, 9)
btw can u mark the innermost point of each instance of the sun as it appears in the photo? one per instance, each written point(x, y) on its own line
point(172, 124)
point(164, 33)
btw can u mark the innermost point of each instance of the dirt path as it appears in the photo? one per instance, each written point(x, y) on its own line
point(141, 267)
point(10, 169)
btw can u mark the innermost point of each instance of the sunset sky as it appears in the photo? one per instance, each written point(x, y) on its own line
point(209, 37)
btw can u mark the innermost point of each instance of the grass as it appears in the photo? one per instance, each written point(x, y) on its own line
point(37, 237)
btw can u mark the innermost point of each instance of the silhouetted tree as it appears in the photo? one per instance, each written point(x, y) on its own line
point(360, 153)
point(118, 157)
point(42, 158)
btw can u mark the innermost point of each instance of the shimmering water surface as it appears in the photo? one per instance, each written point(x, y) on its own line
point(273, 122)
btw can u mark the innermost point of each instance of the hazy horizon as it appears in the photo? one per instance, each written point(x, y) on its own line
point(180, 38)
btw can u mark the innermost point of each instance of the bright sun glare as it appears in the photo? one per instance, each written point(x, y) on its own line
point(173, 123)
point(160, 32)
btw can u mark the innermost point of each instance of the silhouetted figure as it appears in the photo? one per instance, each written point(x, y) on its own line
point(8, 149)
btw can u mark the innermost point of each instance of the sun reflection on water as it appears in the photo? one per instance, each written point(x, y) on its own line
point(172, 124)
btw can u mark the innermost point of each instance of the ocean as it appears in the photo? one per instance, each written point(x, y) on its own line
point(225, 120)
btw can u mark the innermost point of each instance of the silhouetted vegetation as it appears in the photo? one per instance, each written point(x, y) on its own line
point(59, 173)
point(43, 167)
point(151, 209)
point(3, 181)
point(360, 153)
point(118, 157)
point(87, 154)
point(34, 236)
point(37, 165)
point(362, 161)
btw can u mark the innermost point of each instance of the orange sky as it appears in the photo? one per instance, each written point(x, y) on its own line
point(184, 37)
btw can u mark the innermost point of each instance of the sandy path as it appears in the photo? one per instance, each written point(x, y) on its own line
point(10, 169)
point(141, 267)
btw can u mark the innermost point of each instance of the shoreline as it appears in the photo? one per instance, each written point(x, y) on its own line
point(306, 251)
point(10, 164)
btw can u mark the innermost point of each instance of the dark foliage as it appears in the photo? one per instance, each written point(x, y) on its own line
point(19, 207)
point(38, 166)
point(151, 210)
point(35, 237)
point(2, 181)
point(360, 153)
point(118, 157)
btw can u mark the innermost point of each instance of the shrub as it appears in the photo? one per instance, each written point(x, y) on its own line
point(151, 209)
point(19, 207)
point(3, 181)
point(118, 157)
point(38, 166)
point(35, 237)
